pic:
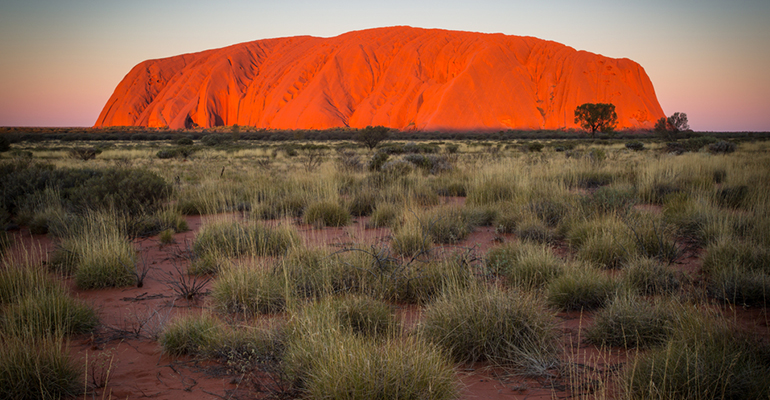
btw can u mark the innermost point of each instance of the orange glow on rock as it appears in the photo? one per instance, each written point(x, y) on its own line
point(401, 77)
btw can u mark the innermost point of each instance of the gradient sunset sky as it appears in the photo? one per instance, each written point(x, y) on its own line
point(60, 60)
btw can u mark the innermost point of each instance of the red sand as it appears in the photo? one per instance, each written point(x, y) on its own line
point(400, 77)
point(138, 369)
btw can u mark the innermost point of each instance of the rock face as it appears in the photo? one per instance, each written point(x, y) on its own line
point(400, 77)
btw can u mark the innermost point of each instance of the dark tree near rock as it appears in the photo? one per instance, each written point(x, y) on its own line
point(669, 128)
point(371, 136)
point(596, 117)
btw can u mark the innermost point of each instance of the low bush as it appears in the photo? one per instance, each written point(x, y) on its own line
point(630, 322)
point(447, 224)
point(108, 260)
point(477, 324)
point(732, 196)
point(739, 286)
point(190, 335)
point(385, 215)
point(635, 146)
point(48, 313)
point(490, 191)
point(525, 264)
point(17, 281)
point(722, 147)
point(410, 240)
point(231, 239)
point(703, 359)
point(335, 366)
point(581, 288)
point(365, 316)
point(326, 213)
point(609, 199)
point(647, 276)
point(38, 368)
point(248, 290)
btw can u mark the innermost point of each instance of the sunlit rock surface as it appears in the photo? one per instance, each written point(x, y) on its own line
point(401, 77)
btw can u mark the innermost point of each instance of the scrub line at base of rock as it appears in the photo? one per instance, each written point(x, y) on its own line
point(400, 77)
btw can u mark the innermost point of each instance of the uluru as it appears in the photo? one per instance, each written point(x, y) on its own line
point(400, 77)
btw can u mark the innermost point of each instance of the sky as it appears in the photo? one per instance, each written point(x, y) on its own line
point(60, 60)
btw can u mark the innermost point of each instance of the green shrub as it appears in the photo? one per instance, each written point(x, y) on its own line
point(243, 349)
point(37, 368)
point(51, 312)
point(325, 213)
point(363, 202)
point(378, 160)
point(652, 237)
point(580, 288)
point(447, 224)
point(635, 146)
point(507, 221)
point(732, 196)
point(190, 335)
point(184, 141)
point(588, 179)
point(16, 282)
point(166, 237)
point(489, 324)
point(722, 147)
point(534, 230)
point(325, 359)
point(410, 241)
point(365, 316)
point(738, 286)
point(609, 199)
point(248, 290)
point(525, 264)
point(108, 260)
point(231, 238)
point(385, 215)
point(704, 359)
point(607, 248)
point(490, 191)
point(730, 253)
point(630, 322)
point(647, 276)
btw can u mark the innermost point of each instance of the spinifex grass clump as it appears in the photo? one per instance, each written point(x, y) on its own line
point(647, 276)
point(581, 287)
point(233, 238)
point(190, 335)
point(385, 215)
point(629, 322)
point(326, 213)
point(249, 289)
point(104, 261)
point(17, 281)
point(478, 323)
point(365, 316)
point(739, 271)
point(411, 239)
point(34, 367)
point(605, 241)
point(326, 359)
point(525, 264)
point(47, 312)
point(703, 359)
point(446, 224)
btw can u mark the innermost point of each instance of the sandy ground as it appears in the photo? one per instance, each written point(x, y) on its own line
point(123, 361)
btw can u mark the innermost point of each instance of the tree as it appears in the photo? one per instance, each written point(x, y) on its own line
point(371, 136)
point(670, 127)
point(596, 117)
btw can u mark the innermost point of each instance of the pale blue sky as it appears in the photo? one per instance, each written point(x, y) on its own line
point(61, 60)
